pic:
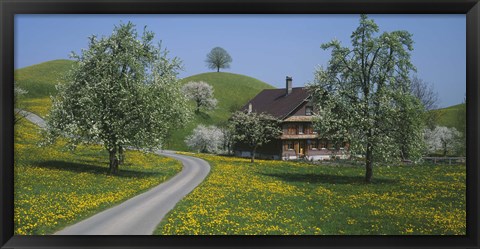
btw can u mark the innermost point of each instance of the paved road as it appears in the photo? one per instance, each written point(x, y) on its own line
point(141, 214)
point(33, 118)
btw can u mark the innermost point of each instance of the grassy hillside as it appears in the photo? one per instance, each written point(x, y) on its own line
point(232, 92)
point(449, 116)
point(39, 81)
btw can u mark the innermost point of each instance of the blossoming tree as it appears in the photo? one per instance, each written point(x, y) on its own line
point(443, 139)
point(122, 92)
point(254, 129)
point(202, 94)
point(363, 96)
point(206, 139)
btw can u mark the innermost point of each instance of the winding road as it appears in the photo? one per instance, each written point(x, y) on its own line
point(141, 214)
point(33, 118)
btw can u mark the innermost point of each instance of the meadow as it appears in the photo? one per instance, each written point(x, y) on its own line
point(55, 188)
point(295, 198)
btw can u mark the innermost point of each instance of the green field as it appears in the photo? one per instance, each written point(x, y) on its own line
point(55, 188)
point(278, 197)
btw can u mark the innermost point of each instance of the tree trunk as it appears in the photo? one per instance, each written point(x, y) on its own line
point(113, 167)
point(218, 69)
point(121, 155)
point(198, 107)
point(369, 164)
point(253, 154)
point(404, 153)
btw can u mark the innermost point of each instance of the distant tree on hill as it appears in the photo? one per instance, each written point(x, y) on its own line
point(206, 139)
point(122, 92)
point(218, 58)
point(202, 94)
point(254, 130)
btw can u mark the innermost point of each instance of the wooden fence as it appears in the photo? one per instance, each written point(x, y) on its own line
point(445, 160)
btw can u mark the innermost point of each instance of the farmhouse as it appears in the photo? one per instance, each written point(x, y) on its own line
point(294, 108)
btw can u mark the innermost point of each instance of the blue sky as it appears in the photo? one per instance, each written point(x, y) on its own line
point(267, 47)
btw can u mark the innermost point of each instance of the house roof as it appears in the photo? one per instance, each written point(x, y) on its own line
point(276, 103)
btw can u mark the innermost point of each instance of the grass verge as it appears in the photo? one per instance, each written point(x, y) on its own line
point(288, 198)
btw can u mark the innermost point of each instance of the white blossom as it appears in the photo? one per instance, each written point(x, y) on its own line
point(364, 98)
point(442, 139)
point(121, 92)
point(202, 94)
point(206, 139)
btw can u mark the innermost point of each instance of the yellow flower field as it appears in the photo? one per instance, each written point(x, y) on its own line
point(39, 106)
point(276, 197)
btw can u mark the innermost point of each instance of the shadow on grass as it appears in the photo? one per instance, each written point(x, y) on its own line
point(89, 168)
point(203, 115)
point(327, 179)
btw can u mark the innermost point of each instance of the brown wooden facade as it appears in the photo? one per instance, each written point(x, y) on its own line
point(299, 138)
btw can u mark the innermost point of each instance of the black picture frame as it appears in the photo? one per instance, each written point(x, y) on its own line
point(11, 7)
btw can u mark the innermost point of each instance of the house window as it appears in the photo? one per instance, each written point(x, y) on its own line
point(291, 130)
point(289, 145)
point(300, 129)
point(308, 129)
point(324, 145)
point(313, 144)
point(331, 146)
point(308, 110)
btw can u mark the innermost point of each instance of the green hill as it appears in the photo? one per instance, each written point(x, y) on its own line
point(450, 116)
point(40, 79)
point(231, 90)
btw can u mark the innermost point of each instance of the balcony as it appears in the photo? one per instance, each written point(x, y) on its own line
point(299, 119)
point(299, 136)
